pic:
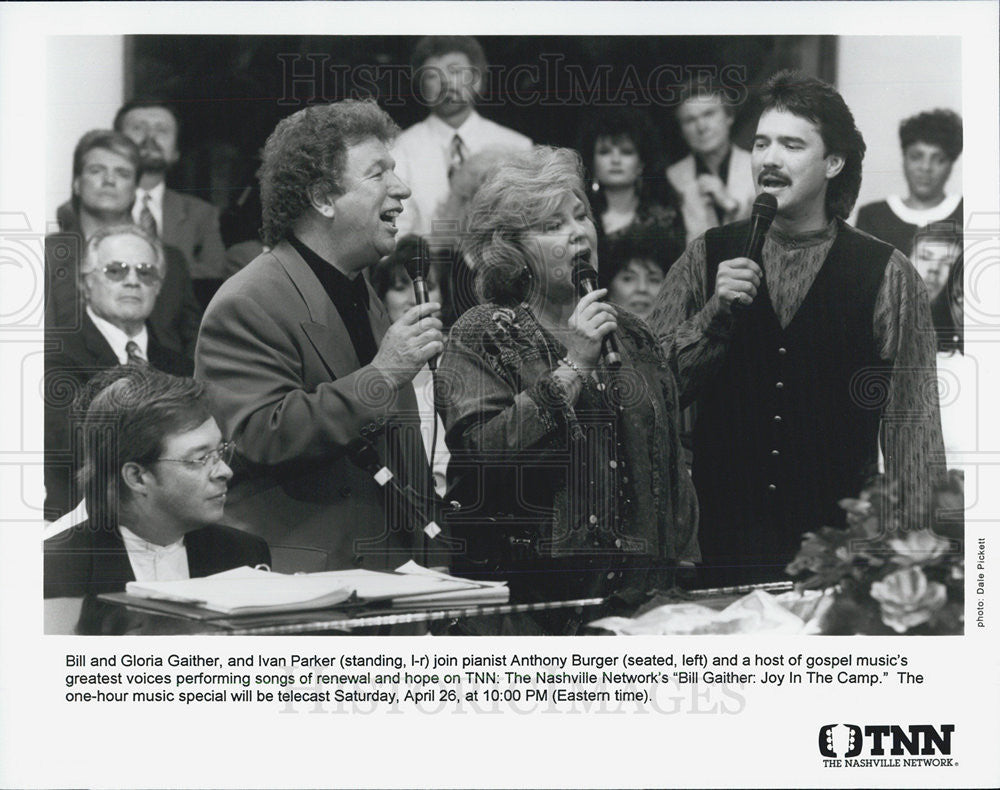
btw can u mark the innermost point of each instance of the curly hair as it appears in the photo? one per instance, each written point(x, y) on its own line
point(942, 128)
point(519, 195)
point(306, 153)
point(464, 183)
point(819, 103)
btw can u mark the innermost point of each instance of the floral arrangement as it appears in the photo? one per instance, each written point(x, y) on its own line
point(890, 574)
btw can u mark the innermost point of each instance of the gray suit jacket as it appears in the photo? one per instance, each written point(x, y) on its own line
point(192, 225)
point(698, 212)
point(287, 387)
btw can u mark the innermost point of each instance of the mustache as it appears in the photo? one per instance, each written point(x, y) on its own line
point(149, 146)
point(776, 174)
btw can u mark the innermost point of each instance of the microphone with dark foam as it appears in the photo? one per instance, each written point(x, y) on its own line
point(761, 217)
point(417, 267)
point(585, 280)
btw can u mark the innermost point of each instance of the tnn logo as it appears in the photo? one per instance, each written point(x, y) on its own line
point(916, 739)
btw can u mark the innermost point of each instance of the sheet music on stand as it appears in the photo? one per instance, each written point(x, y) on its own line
point(245, 592)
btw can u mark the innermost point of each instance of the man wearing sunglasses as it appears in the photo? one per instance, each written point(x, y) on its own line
point(120, 278)
point(155, 476)
point(106, 168)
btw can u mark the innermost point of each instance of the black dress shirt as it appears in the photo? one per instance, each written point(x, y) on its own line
point(350, 297)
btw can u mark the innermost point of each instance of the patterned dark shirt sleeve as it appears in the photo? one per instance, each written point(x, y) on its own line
point(689, 323)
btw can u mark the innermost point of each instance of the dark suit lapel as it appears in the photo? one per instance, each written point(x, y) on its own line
point(98, 348)
point(165, 359)
point(198, 557)
point(326, 331)
point(111, 563)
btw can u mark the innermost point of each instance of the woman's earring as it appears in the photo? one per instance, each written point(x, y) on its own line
point(594, 186)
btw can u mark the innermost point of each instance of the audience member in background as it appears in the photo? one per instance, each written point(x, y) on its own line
point(394, 287)
point(302, 360)
point(931, 142)
point(120, 277)
point(182, 221)
point(155, 478)
point(935, 250)
point(448, 72)
point(827, 356)
point(626, 193)
point(714, 181)
point(105, 174)
point(958, 412)
point(633, 268)
point(569, 493)
point(445, 242)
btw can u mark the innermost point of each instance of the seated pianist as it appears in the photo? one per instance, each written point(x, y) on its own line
point(154, 509)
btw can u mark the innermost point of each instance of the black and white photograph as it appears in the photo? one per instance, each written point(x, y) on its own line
point(464, 325)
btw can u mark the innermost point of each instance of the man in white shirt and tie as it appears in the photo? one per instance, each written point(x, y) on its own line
point(449, 72)
point(155, 475)
point(180, 220)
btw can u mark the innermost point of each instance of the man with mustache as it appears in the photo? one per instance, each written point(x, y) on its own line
point(449, 72)
point(182, 221)
point(802, 362)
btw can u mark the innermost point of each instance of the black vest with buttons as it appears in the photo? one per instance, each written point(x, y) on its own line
point(783, 432)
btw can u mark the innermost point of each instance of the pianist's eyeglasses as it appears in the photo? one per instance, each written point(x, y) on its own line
point(224, 452)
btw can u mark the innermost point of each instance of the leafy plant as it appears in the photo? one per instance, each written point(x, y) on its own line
point(892, 571)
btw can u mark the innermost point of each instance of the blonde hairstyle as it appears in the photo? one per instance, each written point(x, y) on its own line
point(450, 214)
point(519, 195)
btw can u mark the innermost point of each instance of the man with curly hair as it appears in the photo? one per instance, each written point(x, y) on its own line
point(801, 363)
point(302, 361)
point(931, 142)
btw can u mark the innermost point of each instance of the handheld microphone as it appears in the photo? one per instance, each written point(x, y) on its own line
point(761, 217)
point(417, 267)
point(585, 280)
